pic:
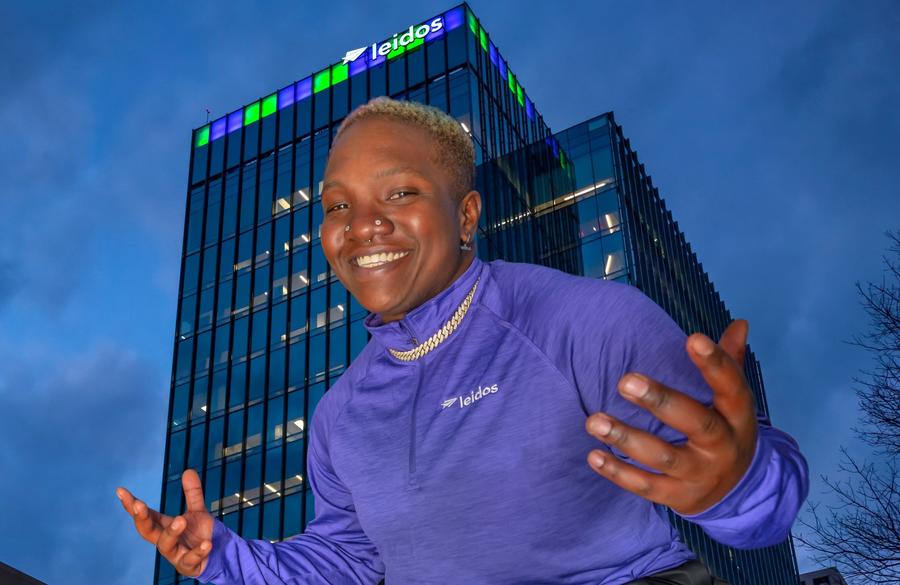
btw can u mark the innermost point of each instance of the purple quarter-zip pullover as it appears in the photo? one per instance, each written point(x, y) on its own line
point(468, 465)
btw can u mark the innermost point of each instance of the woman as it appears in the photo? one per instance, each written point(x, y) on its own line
point(454, 446)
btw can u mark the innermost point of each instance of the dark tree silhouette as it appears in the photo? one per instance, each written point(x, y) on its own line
point(861, 533)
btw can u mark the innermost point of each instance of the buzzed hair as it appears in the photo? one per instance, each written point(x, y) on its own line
point(454, 149)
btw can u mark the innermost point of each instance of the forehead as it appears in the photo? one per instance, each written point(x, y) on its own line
point(386, 139)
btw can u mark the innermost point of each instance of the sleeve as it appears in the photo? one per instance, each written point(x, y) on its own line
point(333, 550)
point(636, 335)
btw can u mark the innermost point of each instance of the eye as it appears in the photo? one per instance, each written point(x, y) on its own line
point(404, 193)
point(334, 207)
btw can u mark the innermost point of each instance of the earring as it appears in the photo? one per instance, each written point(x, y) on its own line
point(465, 245)
point(347, 228)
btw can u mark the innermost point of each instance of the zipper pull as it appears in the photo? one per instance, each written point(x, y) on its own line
point(408, 332)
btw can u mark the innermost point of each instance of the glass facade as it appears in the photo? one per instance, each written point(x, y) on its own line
point(626, 233)
point(264, 328)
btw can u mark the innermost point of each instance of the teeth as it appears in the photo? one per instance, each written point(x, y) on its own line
point(373, 260)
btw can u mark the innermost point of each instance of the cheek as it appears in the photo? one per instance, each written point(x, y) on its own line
point(331, 238)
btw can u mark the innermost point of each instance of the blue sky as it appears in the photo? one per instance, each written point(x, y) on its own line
point(770, 129)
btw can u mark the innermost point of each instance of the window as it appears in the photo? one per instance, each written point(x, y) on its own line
point(195, 451)
point(359, 89)
point(280, 280)
point(191, 273)
point(205, 319)
point(188, 311)
point(224, 300)
point(268, 133)
point(456, 47)
point(297, 364)
point(230, 204)
point(215, 447)
point(275, 424)
point(266, 186)
point(217, 393)
point(286, 125)
point(261, 286)
point(195, 219)
point(239, 340)
point(397, 75)
point(203, 352)
point(248, 196)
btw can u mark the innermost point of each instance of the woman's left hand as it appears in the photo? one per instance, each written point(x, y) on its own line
point(721, 439)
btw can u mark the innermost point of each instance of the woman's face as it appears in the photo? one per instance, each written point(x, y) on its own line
point(388, 170)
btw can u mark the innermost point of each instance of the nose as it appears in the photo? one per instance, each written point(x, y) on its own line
point(365, 226)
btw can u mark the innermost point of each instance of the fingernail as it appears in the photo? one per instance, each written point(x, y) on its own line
point(601, 426)
point(597, 460)
point(703, 345)
point(635, 387)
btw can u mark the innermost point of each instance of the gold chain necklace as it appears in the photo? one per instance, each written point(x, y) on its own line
point(442, 334)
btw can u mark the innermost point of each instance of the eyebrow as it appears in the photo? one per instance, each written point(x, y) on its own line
point(379, 175)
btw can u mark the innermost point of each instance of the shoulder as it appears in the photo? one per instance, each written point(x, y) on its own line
point(534, 297)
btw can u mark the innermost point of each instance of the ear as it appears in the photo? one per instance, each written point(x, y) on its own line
point(469, 212)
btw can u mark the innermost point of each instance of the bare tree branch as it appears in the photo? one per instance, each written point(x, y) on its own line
point(860, 534)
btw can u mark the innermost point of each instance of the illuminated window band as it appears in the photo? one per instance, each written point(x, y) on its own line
point(359, 60)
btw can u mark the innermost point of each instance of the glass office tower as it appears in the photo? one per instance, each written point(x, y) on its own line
point(626, 233)
point(264, 328)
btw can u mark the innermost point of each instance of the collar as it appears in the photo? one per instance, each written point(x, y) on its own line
point(426, 319)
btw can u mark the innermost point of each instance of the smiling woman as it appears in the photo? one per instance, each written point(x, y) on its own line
point(465, 441)
point(399, 204)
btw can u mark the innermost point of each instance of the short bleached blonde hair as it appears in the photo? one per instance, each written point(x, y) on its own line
point(454, 147)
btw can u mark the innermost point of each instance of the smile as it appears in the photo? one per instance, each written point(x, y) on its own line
point(374, 260)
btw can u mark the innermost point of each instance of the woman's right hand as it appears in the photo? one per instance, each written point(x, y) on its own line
point(185, 540)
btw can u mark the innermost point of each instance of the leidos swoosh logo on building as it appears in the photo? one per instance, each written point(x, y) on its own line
point(410, 35)
point(353, 55)
point(472, 398)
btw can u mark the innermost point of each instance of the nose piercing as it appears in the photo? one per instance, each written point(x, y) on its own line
point(347, 227)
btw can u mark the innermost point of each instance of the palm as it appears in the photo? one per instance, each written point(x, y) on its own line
point(185, 540)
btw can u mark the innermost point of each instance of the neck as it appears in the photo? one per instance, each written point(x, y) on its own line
point(465, 260)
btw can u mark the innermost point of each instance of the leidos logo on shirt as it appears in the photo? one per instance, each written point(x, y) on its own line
point(472, 398)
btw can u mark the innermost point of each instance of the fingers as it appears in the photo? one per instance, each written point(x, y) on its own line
point(168, 543)
point(734, 340)
point(703, 426)
point(148, 522)
point(191, 563)
point(642, 446)
point(650, 486)
point(193, 491)
point(732, 396)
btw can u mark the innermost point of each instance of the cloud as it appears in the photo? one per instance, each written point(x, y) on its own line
point(73, 429)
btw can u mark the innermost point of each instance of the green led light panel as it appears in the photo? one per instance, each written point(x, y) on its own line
point(520, 94)
point(322, 80)
point(415, 44)
point(512, 80)
point(251, 113)
point(202, 136)
point(484, 39)
point(270, 105)
point(339, 73)
point(473, 24)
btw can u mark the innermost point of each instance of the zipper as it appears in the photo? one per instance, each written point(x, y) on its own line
point(409, 332)
point(412, 481)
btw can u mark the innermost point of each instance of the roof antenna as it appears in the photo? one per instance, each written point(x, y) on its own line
point(207, 115)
